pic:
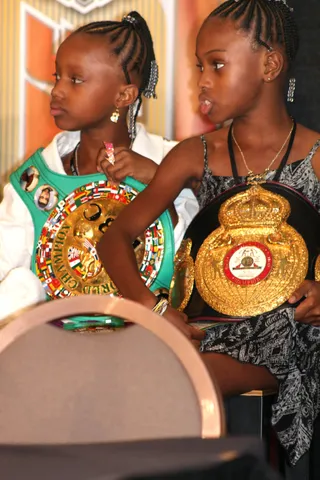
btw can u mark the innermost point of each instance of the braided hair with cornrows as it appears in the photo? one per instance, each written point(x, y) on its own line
point(270, 22)
point(132, 42)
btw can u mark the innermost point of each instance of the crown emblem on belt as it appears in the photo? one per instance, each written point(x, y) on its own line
point(255, 207)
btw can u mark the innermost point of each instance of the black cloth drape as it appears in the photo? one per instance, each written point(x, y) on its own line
point(307, 66)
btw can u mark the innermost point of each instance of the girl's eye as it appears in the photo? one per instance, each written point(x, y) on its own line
point(56, 76)
point(76, 80)
point(217, 65)
point(200, 67)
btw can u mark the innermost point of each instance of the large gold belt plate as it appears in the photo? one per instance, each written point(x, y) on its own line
point(67, 262)
point(253, 262)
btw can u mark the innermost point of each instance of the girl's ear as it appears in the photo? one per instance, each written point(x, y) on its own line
point(273, 65)
point(127, 96)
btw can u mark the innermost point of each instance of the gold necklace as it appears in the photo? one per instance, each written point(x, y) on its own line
point(254, 178)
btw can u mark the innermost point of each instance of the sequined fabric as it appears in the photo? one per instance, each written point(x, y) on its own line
point(289, 349)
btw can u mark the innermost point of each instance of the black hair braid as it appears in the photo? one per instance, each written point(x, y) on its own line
point(260, 17)
point(291, 35)
point(128, 38)
point(249, 17)
point(223, 9)
point(279, 29)
point(259, 26)
point(132, 42)
point(146, 48)
point(241, 10)
point(270, 21)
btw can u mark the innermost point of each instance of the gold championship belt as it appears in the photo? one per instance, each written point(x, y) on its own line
point(248, 250)
point(70, 215)
point(66, 258)
point(246, 253)
point(254, 261)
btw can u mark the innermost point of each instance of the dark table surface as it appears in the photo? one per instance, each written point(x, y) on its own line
point(174, 458)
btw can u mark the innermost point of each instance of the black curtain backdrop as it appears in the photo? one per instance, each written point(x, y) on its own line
point(306, 108)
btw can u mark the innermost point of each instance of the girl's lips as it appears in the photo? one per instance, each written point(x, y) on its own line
point(56, 111)
point(205, 107)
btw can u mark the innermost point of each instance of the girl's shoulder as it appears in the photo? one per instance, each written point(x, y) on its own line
point(217, 138)
point(188, 149)
point(307, 135)
point(211, 140)
point(308, 145)
point(188, 156)
point(307, 141)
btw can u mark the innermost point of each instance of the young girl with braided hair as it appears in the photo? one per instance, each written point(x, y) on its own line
point(103, 70)
point(245, 50)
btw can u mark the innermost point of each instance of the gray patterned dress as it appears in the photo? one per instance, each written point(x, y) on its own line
point(289, 349)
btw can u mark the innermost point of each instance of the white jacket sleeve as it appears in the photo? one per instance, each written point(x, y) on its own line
point(16, 233)
point(19, 287)
point(186, 205)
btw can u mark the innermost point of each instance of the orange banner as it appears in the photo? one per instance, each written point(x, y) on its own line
point(40, 66)
point(188, 121)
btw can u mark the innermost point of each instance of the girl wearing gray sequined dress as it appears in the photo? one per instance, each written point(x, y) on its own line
point(245, 50)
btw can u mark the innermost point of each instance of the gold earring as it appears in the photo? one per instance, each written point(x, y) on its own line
point(115, 116)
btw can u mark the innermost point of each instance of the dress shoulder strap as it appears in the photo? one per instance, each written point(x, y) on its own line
point(313, 150)
point(205, 152)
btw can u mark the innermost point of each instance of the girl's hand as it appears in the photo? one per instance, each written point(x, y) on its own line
point(309, 310)
point(180, 320)
point(127, 164)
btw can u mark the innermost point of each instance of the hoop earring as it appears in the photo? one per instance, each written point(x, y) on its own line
point(291, 90)
point(115, 116)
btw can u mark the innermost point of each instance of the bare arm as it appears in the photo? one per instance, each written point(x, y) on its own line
point(115, 247)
